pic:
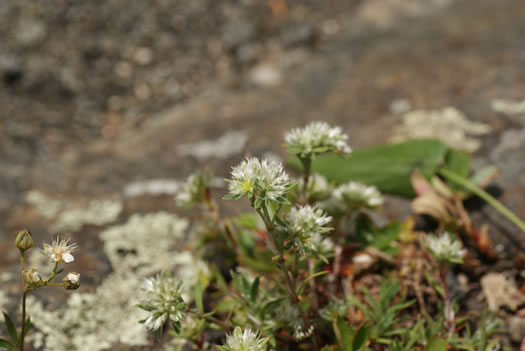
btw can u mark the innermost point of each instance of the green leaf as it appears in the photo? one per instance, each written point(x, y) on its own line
point(6, 344)
point(258, 202)
point(27, 325)
point(436, 344)
point(198, 296)
point(11, 328)
point(344, 334)
point(254, 290)
point(457, 161)
point(361, 337)
point(388, 167)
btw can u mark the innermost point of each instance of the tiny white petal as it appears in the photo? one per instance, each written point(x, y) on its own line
point(67, 257)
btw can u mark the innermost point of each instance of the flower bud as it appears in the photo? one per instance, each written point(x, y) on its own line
point(71, 281)
point(24, 240)
point(31, 279)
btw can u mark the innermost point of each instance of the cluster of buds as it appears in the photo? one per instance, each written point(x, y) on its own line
point(58, 251)
point(445, 248)
point(195, 189)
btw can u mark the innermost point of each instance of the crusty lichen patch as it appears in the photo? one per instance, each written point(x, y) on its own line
point(68, 217)
point(92, 321)
point(144, 245)
point(229, 144)
point(448, 124)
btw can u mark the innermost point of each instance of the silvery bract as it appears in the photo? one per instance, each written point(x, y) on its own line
point(59, 250)
point(163, 301)
point(247, 340)
point(305, 221)
point(355, 195)
point(445, 248)
point(316, 138)
point(254, 177)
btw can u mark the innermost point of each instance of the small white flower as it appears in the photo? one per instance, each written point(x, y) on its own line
point(247, 340)
point(355, 195)
point(59, 250)
point(301, 334)
point(73, 277)
point(305, 221)
point(316, 138)
point(71, 281)
point(445, 248)
point(255, 177)
point(164, 301)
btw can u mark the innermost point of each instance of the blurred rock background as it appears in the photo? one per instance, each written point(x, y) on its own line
point(107, 104)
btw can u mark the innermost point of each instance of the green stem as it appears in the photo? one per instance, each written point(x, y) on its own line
point(484, 195)
point(22, 332)
point(53, 274)
point(307, 166)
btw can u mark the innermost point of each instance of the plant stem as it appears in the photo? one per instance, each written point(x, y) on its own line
point(307, 166)
point(498, 206)
point(449, 314)
point(22, 332)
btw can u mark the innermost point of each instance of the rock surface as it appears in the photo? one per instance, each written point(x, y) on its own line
point(86, 113)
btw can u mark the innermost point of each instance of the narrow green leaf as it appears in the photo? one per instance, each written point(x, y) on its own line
point(27, 325)
point(6, 344)
point(11, 328)
point(254, 290)
point(258, 202)
point(361, 337)
point(344, 334)
point(198, 296)
point(436, 344)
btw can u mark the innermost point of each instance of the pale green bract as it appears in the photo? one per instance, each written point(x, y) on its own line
point(304, 222)
point(247, 340)
point(355, 195)
point(164, 302)
point(315, 139)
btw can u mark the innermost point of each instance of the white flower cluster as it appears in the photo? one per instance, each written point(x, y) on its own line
point(305, 221)
point(355, 195)
point(445, 248)
point(59, 250)
point(247, 340)
point(163, 301)
point(193, 189)
point(254, 177)
point(316, 138)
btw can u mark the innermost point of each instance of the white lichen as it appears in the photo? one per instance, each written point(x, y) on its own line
point(448, 124)
point(227, 145)
point(92, 321)
point(508, 107)
point(98, 212)
point(145, 243)
point(153, 187)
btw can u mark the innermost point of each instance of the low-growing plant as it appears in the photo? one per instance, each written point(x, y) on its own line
point(309, 267)
point(60, 250)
